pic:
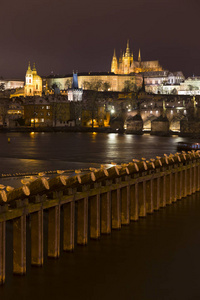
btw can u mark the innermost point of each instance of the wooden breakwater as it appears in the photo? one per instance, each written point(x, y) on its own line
point(104, 199)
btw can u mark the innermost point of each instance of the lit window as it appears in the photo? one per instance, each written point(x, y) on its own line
point(42, 120)
point(47, 107)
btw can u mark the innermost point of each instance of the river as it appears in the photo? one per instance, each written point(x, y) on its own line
point(156, 258)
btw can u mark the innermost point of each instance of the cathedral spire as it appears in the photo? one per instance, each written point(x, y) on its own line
point(29, 65)
point(120, 57)
point(114, 64)
point(139, 56)
point(34, 69)
point(127, 49)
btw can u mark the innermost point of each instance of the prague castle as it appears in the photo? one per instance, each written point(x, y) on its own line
point(126, 64)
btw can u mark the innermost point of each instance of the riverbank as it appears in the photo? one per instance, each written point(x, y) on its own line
point(87, 129)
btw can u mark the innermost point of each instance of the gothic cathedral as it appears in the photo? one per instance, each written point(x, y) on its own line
point(126, 64)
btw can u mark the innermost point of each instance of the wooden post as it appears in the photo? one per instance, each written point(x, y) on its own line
point(189, 180)
point(94, 216)
point(194, 178)
point(134, 212)
point(116, 208)
point(198, 183)
point(173, 186)
point(125, 204)
point(178, 185)
point(37, 238)
point(54, 231)
point(156, 193)
point(168, 191)
point(69, 222)
point(2, 252)
point(82, 221)
point(185, 183)
point(142, 198)
point(149, 196)
point(181, 185)
point(19, 245)
point(105, 213)
point(197, 177)
point(162, 191)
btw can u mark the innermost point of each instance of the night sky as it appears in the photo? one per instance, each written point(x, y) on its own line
point(62, 36)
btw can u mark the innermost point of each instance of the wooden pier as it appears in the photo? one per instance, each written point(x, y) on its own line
point(104, 200)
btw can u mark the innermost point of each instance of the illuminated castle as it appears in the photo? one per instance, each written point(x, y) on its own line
point(126, 64)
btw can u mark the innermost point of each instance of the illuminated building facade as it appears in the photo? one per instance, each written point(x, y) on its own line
point(74, 93)
point(115, 82)
point(33, 86)
point(126, 63)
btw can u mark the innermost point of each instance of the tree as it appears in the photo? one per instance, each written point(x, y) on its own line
point(2, 86)
point(129, 86)
point(174, 92)
point(106, 86)
point(4, 105)
point(68, 83)
point(94, 97)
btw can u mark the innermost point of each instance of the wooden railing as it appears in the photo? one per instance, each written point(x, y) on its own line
point(114, 197)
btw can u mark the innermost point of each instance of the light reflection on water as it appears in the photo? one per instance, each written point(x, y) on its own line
point(51, 151)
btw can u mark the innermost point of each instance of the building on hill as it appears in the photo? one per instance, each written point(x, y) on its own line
point(10, 84)
point(191, 86)
point(106, 81)
point(74, 93)
point(163, 82)
point(33, 84)
point(126, 63)
point(47, 111)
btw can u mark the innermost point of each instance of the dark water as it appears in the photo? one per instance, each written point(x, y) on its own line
point(154, 258)
point(50, 151)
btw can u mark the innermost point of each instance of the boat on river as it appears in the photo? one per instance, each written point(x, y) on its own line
point(187, 146)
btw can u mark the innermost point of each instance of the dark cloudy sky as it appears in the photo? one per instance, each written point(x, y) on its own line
point(62, 36)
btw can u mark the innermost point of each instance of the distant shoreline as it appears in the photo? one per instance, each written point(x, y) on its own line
point(84, 129)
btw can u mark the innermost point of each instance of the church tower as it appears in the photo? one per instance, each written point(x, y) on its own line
point(28, 89)
point(127, 65)
point(139, 56)
point(127, 60)
point(114, 64)
point(33, 86)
